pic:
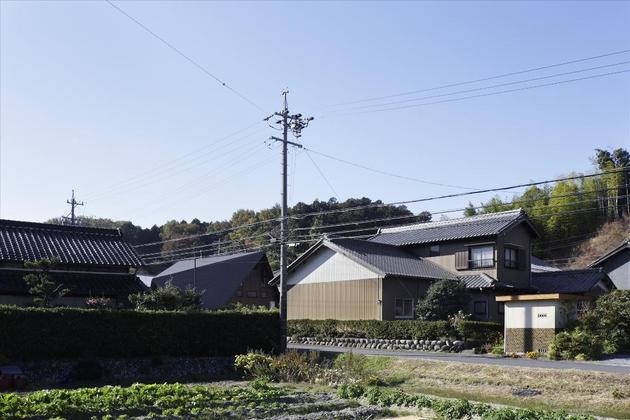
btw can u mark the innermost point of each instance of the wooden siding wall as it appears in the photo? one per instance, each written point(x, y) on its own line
point(345, 300)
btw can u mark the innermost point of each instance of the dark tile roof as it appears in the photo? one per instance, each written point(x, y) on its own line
point(388, 260)
point(218, 276)
point(567, 281)
point(485, 225)
point(80, 284)
point(478, 281)
point(22, 241)
point(624, 245)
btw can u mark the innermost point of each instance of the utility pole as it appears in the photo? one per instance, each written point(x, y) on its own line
point(73, 204)
point(296, 123)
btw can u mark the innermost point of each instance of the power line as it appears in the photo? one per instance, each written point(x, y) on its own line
point(564, 63)
point(455, 195)
point(483, 87)
point(171, 164)
point(363, 207)
point(187, 58)
point(321, 173)
point(488, 94)
point(379, 171)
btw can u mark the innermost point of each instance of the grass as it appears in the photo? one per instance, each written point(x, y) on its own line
point(572, 390)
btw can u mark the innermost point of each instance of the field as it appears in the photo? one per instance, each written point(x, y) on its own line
point(597, 393)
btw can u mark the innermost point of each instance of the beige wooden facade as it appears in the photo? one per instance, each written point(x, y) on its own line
point(345, 300)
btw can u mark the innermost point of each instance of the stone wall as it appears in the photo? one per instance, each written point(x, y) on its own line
point(522, 340)
point(370, 343)
point(54, 373)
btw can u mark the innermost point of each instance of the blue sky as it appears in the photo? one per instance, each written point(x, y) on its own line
point(91, 101)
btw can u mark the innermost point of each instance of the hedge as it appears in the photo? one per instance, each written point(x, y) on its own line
point(404, 330)
point(35, 333)
point(487, 332)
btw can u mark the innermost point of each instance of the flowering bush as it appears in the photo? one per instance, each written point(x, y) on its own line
point(99, 303)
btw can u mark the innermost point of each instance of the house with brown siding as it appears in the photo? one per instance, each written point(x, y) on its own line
point(385, 277)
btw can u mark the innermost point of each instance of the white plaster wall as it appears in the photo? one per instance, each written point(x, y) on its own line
point(328, 266)
point(536, 314)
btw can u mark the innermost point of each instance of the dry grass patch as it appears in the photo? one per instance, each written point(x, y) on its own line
point(571, 390)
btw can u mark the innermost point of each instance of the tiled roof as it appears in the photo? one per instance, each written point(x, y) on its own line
point(478, 281)
point(388, 259)
point(80, 284)
point(22, 241)
point(567, 281)
point(219, 276)
point(484, 225)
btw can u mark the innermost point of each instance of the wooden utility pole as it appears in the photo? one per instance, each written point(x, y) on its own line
point(296, 123)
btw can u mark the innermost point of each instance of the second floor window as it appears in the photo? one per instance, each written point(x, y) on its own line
point(510, 259)
point(482, 256)
point(403, 309)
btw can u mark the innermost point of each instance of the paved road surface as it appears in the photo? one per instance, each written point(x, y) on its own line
point(619, 365)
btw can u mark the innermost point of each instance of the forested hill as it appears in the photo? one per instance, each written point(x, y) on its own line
point(566, 213)
point(305, 226)
point(569, 213)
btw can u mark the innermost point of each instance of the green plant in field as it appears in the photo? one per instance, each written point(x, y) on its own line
point(450, 409)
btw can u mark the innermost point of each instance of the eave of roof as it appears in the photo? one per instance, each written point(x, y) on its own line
point(624, 245)
point(482, 226)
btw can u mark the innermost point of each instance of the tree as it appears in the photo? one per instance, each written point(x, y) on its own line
point(444, 298)
point(470, 210)
point(167, 298)
point(44, 290)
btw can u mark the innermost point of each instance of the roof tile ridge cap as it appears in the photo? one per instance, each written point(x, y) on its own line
point(464, 219)
point(53, 227)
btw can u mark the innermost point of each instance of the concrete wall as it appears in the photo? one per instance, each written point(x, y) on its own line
point(531, 325)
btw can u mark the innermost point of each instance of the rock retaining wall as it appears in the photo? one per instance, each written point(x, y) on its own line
point(384, 344)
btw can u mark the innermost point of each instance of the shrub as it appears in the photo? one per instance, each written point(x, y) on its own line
point(532, 355)
point(39, 333)
point(485, 332)
point(254, 365)
point(609, 319)
point(409, 329)
point(167, 298)
point(444, 298)
point(569, 345)
point(497, 349)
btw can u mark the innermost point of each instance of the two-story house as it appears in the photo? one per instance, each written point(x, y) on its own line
point(384, 277)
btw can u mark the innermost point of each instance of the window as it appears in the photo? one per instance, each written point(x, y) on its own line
point(251, 294)
point(434, 251)
point(482, 256)
point(480, 307)
point(510, 257)
point(403, 308)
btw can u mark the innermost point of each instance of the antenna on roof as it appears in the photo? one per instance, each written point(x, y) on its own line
point(73, 204)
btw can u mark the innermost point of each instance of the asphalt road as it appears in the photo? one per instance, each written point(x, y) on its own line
point(620, 365)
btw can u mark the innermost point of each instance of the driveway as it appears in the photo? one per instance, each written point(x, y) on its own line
point(616, 365)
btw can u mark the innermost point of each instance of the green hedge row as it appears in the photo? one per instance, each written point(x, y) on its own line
point(486, 332)
point(404, 330)
point(410, 330)
point(33, 333)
